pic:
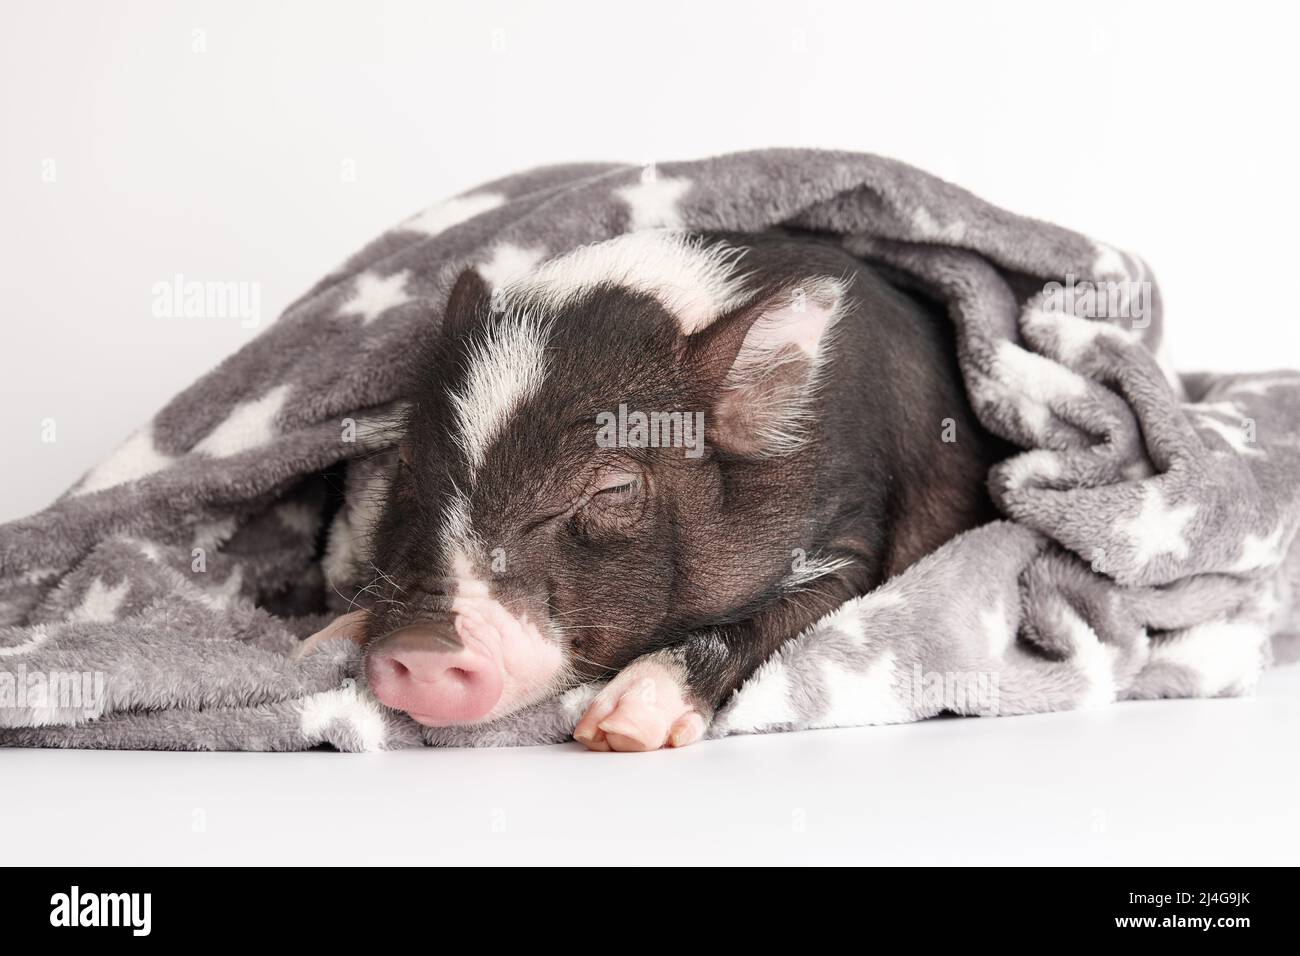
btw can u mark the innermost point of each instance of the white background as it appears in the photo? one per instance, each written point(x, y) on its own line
point(263, 142)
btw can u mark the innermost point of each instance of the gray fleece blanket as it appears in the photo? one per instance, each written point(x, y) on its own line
point(1147, 548)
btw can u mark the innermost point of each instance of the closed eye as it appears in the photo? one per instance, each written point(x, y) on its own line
point(625, 488)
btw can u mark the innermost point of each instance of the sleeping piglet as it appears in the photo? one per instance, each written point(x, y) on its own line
point(651, 461)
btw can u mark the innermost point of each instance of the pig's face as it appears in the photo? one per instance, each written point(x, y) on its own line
point(529, 541)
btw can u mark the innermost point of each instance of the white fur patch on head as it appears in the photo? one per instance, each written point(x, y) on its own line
point(695, 282)
point(456, 533)
point(506, 367)
point(507, 364)
point(468, 583)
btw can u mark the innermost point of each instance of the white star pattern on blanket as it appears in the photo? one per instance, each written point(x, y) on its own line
point(925, 223)
point(1235, 435)
point(1109, 262)
point(1261, 386)
point(996, 629)
point(359, 713)
point(249, 425)
point(373, 295)
point(1220, 655)
point(440, 218)
point(653, 202)
point(860, 698)
point(766, 701)
point(38, 635)
point(1095, 660)
point(135, 458)
point(509, 261)
point(1157, 528)
point(100, 603)
point(1075, 335)
point(224, 594)
point(1261, 551)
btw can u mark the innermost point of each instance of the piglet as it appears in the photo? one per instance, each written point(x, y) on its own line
point(651, 462)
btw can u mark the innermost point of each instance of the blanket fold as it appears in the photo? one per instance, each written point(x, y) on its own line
point(1148, 547)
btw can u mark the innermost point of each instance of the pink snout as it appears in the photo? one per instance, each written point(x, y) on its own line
point(434, 678)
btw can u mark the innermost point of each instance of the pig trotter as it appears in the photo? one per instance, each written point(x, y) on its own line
point(645, 707)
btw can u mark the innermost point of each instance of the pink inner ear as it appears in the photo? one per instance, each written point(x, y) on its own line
point(802, 328)
point(763, 403)
point(800, 321)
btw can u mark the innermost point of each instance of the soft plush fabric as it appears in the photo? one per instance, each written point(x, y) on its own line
point(1147, 549)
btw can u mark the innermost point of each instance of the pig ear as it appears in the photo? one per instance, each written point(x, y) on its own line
point(762, 365)
point(469, 299)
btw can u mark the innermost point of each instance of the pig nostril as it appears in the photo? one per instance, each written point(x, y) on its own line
point(434, 678)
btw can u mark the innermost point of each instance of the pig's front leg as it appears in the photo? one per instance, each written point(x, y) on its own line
point(648, 705)
point(668, 698)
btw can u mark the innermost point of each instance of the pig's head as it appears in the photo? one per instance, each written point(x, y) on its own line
point(534, 537)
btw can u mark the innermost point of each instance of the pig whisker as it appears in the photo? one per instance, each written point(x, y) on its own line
point(367, 588)
point(576, 610)
point(561, 625)
point(383, 575)
point(591, 663)
point(597, 627)
point(586, 660)
point(352, 601)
